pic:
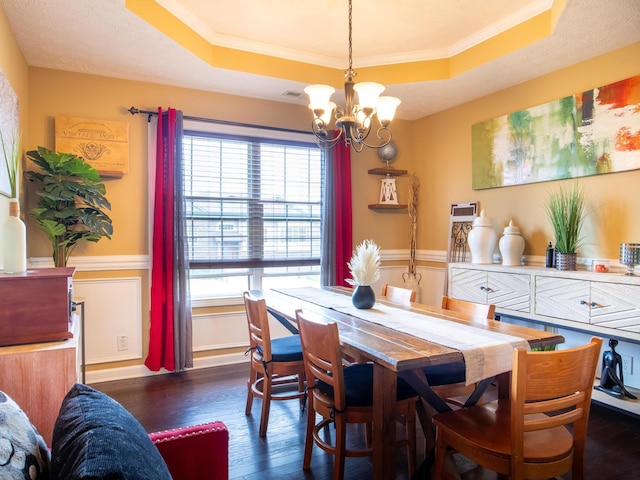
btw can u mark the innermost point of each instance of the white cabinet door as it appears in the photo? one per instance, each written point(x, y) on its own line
point(506, 290)
point(562, 298)
point(615, 305)
point(469, 285)
point(510, 290)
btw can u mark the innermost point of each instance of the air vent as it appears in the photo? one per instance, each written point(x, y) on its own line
point(291, 94)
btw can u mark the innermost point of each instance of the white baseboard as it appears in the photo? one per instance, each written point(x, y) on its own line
point(136, 371)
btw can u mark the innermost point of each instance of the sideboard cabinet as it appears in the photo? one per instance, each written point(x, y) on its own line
point(604, 304)
point(39, 342)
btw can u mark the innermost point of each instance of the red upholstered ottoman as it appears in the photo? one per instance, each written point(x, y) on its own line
point(198, 451)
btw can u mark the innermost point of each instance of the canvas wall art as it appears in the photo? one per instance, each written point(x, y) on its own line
point(8, 126)
point(589, 133)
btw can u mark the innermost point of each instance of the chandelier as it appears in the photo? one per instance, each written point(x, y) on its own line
point(354, 119)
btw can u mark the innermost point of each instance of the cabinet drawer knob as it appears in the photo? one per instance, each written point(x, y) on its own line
point(592, 304)
point(487, 289)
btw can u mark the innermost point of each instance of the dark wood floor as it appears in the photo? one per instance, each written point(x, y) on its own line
point(173, 400)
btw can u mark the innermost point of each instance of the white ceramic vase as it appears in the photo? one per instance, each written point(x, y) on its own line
point(14, 240)
point(482, 240)
point(511, 245)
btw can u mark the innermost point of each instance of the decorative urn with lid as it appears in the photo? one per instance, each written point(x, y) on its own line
point(511, 245)
point(482, 240)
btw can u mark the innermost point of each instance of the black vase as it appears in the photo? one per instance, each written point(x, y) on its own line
point(363, 297)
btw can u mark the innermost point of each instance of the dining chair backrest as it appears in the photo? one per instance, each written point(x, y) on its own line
point(545, 383)
point(399, 295)
point(323, 356)
point(476, 311)
point(258, 322)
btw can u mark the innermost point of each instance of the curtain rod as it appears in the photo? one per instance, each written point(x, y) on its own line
point(149, 113)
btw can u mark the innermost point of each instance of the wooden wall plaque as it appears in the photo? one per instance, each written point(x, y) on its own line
point(103, 144)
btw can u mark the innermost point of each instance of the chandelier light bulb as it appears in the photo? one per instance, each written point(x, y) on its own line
point(325, 118)
point(387, 109)
point(368, 93)
point(319, 96)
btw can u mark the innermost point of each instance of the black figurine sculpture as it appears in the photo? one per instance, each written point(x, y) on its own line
point(612, 380)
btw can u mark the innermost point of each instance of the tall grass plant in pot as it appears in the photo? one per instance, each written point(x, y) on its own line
point(567, 211)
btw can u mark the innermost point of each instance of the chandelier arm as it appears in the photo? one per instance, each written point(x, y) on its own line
point(384, 143)
point(322, 137)
point(360, 133)
point(357, 146)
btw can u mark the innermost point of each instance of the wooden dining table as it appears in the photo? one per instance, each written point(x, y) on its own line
point(394, 353)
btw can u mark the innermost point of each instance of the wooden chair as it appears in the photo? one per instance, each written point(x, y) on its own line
point(475, 310)
point(527, 435)
point(448, 380)
point(273, 362)
point(343, 395)
point(399, 295)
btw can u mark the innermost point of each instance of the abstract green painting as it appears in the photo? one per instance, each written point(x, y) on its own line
point(589, 133)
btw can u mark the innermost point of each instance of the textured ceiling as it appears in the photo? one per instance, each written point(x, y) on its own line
point(104, 37)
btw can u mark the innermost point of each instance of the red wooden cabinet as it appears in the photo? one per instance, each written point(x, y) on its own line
point(35, 306)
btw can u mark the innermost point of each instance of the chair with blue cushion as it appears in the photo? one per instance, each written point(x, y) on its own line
point(344, 395)
point(449, 379)
point(274, 362)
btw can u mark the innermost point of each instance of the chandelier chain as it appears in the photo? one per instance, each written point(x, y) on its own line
point(349, 73)
point(353, 120)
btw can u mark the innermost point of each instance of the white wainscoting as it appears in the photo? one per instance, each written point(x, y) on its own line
point(430, 289)
point(112, 308)
point(216, 331)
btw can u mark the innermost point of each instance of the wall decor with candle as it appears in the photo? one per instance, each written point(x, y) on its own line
point(590, 133)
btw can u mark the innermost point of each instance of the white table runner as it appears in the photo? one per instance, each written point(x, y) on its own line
point(485, 353)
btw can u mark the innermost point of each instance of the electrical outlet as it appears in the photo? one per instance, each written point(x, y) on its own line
point(123, 343)
point(627, 364)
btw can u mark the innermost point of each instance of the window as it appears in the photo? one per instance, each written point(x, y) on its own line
point(253, 208)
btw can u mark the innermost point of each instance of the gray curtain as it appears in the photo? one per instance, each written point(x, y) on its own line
point(327, 256)
point(182, 322)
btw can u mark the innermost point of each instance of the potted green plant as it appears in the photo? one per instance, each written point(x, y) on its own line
point(567, 210)
point(71, 204)
point(365, 270)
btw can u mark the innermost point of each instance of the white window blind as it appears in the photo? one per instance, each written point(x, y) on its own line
point(251, 202)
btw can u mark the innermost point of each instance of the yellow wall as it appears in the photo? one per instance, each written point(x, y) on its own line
point(53, 92)
point(437, 148)
point(442, 159)
point(14, 67)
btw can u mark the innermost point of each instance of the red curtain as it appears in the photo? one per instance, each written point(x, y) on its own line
point(161, 341)
point(343, 211)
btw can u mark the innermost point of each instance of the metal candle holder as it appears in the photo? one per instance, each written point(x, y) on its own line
point(630, 256)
